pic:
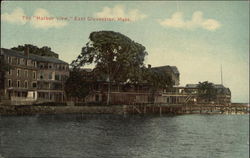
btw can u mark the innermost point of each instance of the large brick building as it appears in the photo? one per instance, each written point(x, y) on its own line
point(32, 78)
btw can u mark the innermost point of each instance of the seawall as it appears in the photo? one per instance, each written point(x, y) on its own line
point(125, 109)
point(31, 109)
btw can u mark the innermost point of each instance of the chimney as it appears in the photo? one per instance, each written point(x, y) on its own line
point(26, 51)
point(149, 66)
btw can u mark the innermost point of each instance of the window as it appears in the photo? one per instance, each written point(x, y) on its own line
point(9, 72)
point(26, 73)
point(50, 66)
point(9, 60)
point(34, 63)
point(9, 83)
point(50, 76)
point(34, 74)
point(41, 66)
point(41, 76)
point(34, 85)
point(18, 61)
point(26, 62)
point(56, 77)
point(97, 98)
point(25, 84)
point(18, 72)
point(18, 83)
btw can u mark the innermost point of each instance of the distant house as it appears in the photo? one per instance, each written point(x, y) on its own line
point(32, 78)
point(222, 93)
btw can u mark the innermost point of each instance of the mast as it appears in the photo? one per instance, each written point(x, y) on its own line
point(221, 76)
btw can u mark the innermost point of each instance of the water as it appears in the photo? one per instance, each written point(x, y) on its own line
point(114, 136)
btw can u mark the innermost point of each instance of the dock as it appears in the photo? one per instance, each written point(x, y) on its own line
point(187, 109)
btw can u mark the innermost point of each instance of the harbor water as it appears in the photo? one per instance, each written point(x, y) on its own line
point(125, 136)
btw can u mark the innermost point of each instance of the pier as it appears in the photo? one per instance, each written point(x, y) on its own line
point(188, 109)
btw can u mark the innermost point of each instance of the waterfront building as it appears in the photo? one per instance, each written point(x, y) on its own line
point(222, 94)
point(129, 93)
point(32, 78)
point(141, 93)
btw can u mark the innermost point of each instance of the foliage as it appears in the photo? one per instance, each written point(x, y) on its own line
point(43, 51)
point(118, 59)
point(207, 91)
point(77, 85)
point(160, 79)
point(115, 56)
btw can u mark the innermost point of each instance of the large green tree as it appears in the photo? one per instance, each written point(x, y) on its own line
point(158, 79)
point(78, 85)
point(43, 51)
point(206, 91)
point(115, 56)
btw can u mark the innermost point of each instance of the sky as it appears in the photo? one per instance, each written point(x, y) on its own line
point(197, 37)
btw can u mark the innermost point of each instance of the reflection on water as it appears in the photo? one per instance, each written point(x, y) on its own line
point(188, 136)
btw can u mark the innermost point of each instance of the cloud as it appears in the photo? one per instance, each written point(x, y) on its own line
point(45, 23)
point(119, 11)
point(197, 21)
point(16, 17)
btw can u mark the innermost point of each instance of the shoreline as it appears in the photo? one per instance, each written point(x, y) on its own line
point(234, 108)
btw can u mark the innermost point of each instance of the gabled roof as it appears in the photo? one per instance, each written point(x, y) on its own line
point(20, 54)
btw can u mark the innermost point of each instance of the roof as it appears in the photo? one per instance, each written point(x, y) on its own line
point(167, 67)
point(217, 86)
point(191, 85)
point(20, 54)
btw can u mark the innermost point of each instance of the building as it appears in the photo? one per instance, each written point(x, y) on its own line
point(32, 78)
point(128, 93)
point(222, 94)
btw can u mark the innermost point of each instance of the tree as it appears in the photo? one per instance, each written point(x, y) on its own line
point(43, 51)
point(159, 79)
point(77, 85)
point(207, 91)
point(115, 56)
